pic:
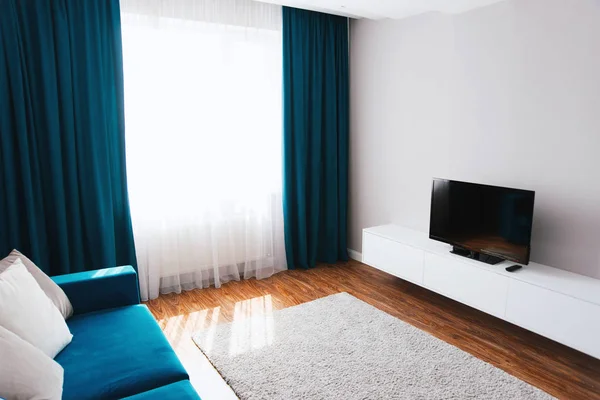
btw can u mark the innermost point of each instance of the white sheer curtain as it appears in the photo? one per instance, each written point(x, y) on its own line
point(203, 130)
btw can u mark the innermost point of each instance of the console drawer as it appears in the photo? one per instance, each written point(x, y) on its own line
point(565, 319)
point(476, 287)
point(395, 258)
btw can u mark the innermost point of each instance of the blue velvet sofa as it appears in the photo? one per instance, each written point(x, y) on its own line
point(118, 349)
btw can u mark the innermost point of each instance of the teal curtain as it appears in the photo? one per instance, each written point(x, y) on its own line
point(315, 132)
point(63, 189)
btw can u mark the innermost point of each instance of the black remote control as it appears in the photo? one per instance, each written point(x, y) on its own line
point(513, 268)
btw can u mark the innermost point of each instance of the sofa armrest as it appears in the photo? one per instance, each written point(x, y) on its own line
point(100, 289)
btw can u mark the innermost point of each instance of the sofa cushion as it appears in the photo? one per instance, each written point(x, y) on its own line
point(174, 391)
point(52, 290)
point(26, 311)
point(117, 353)
point(25, 371)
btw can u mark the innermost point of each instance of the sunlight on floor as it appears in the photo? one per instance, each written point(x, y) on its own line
point(183, 326)
point(211, 329)
point(252, 326)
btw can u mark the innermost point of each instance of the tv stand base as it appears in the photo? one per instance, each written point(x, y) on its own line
point(476, 256)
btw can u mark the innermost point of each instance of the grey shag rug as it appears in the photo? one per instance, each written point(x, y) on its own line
point(339, 347)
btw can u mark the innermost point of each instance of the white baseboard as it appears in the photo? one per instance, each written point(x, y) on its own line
point(355, 255)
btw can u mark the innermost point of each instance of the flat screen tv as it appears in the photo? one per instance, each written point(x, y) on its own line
point(486, 223)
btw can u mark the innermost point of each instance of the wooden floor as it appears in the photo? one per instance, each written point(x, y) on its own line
point(554, 368)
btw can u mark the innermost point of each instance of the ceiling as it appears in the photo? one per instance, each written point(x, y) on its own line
point(380, 9)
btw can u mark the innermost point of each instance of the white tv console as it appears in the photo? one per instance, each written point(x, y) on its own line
point(560, 305)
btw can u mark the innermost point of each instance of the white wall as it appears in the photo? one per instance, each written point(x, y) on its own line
point(505, 95)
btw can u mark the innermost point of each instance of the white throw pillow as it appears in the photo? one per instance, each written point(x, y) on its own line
point(52, 290)
point(26, 311)
point(27, 373)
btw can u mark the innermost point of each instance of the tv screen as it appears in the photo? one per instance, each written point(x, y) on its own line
point(489, 220)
